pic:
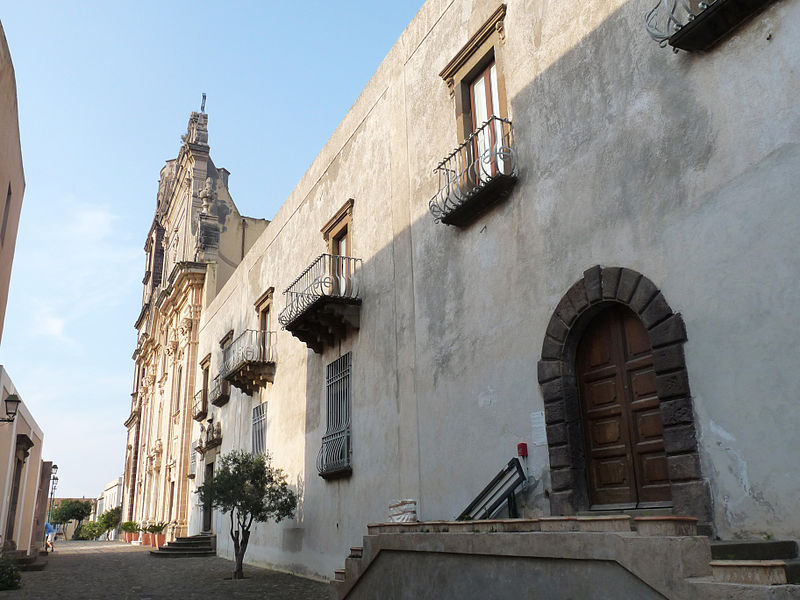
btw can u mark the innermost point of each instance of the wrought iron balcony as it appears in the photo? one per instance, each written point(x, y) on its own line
point(220, 391)
point(200, 405)
point(323, 302)
point(333, 459)
point(249, 362)
point(697, 25)
point(212, 437)
point(475, 175)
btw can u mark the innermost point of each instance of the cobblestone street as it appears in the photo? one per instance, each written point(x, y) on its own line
point(105, 570)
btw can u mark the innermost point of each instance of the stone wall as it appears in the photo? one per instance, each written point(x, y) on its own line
point(681, 168)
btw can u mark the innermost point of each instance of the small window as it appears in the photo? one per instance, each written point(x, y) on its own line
point(176, 405)
point(6, 211)
point(475, 77)
point(334, 457)
point(263, 307)
point(338, 231)
point(260, 429)
point(193, 461)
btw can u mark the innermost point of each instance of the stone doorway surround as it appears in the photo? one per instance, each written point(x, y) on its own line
point(599, 288)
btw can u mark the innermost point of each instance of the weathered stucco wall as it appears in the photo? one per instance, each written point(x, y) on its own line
point(24, 424)
point(12, 177)
point(681, 167)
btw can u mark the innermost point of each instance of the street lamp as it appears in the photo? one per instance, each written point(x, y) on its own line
point(12, 405)
point(53, 483)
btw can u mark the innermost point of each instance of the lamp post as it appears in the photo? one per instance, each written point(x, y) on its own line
point(12, 406)
point(53, 483)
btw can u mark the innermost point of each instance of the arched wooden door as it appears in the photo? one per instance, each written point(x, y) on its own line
point(625, 460)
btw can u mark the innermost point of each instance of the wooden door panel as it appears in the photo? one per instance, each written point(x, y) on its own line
point(625, 456)
point(648, 426)
point(637, 342)
point(611, 481)
point(605, 432)
point(643, 384)
point(601, 393)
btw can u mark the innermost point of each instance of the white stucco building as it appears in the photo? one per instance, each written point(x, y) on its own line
point(602, 269)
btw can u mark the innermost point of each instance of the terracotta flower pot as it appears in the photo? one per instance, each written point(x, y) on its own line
point(145, 539)
point(134, 536)
point(158, 539)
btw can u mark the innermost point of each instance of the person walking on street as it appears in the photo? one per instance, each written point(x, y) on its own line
point(50, 532)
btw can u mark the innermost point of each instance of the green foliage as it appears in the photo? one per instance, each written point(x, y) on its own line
point(111, 518)
point(249, 488)
point(71, 510)
point(155, 527)
point(129, 527)
point(249, 485)
point(9, 574)
point(90, 531)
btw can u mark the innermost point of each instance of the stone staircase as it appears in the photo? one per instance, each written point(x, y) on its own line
point(188, 547)
point(756, 562)
point(34, 562)
point(655, 556)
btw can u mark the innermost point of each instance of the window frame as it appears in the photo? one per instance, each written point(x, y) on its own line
point(483, 47)
point(264, 309)
point(258, 429)
point(339, 226)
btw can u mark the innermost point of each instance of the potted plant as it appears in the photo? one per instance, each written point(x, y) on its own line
point(158, 537)
point(131, 531)
point(146, 535)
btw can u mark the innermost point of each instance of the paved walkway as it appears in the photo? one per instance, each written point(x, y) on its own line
point(114, 570)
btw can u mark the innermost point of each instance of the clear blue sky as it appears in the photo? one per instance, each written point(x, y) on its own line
point(105, 91)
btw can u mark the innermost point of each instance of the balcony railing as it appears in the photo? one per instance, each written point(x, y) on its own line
point(249, 362)
point(333, 459)
point(323, 302)
point(220, 391)
point(200, 405)
point(475, 175)
point(213, 436)
point(695, 24)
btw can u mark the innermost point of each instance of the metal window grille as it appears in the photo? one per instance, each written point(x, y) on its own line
point(335, 453)
point(260, 429)
point(193, 460)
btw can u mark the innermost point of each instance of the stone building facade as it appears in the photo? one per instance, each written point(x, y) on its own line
point(24, 477)
point(12, 177)
point(195, 242)
point(601, 269)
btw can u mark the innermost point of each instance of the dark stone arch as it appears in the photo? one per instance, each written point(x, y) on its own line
point(599, 288)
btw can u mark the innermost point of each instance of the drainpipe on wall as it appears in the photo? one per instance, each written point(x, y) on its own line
point(244, 228)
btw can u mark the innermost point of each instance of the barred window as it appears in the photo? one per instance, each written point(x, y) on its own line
point(260, 429)
point(334, 456)
point(193, 461)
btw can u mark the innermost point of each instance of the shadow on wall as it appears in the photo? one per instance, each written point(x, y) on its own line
point(607, 138)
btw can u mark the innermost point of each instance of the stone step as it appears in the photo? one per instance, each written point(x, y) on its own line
point(190, 544)
point(339, 575)
point(194, 538)
point(750, 572)
point(37, 565)
point(708, 588)
point(163, 553)
point(171, 548)
point(356, 552)
point(754, 550)
point(666, 526)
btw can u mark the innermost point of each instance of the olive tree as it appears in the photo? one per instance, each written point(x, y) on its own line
point(250, 489)
point(71, 510)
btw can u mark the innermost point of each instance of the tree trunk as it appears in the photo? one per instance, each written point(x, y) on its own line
point(240, 549)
